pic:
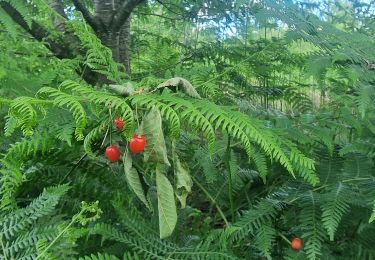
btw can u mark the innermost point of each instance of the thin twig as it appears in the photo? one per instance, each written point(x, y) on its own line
point(212, 200)
point(74, 167)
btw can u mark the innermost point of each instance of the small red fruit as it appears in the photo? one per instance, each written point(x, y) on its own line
point(112, 153)
point(137, 144)
point(119, 123)
point(296, 244)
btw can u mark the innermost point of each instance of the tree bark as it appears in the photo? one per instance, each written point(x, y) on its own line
point(58, 19)
point(59, 47)
point(111, 24)
point(124, 46)
point(114, 15)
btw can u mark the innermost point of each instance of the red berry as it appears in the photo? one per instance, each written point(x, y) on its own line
point(119, 123)
point(137, 144)
point(296, 244)
point(112, 153)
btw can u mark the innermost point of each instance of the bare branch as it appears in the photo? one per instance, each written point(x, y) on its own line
point(63, 48)
point(86, 15)
point(38, 32)
point(161, 16)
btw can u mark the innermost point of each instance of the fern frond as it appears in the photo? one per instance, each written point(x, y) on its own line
point(30, 239)
point(264, 238)
point(8, 23)
point(22, 109)
point(95, 134)
point(272, 145)
point(99, 256)
point(202, 156)
point(220, 118)
point(12, 177)
point(334, 207)
point(190, 114)
point(11, 224)
point(297, 99)
point(365, 98)
point(110, 232)
point(149, 101)
point(62, 99)
point(104, 99)
point(261, 164)
point(98, 57)
point(22, 9)
point(372, 217)
point(10, 125)
point(311, 225)
point(251, 220)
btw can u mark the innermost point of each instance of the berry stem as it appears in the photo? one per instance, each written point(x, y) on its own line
point(285, 238)
point(136, 116)
point(105, 137)
point(110, 125)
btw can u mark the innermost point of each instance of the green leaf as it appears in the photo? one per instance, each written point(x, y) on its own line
point(126, 89)
point(151, 127)
point(183, 181)
point(133, 180)
point(166, 204)
point(182, 85)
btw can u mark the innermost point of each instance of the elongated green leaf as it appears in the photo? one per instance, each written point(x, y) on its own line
point(155, 150)
point(133, 179)
point(166, 204)
point(183, 181)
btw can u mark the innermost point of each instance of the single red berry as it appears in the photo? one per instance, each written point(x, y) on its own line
point(112, 153)
point(119, 123)
point(296, 244)
point(137, 144)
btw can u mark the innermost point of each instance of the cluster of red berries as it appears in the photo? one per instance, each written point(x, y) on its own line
point(137, 143)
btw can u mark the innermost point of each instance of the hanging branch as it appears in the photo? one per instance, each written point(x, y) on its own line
point(59, 48)
point(91, 20)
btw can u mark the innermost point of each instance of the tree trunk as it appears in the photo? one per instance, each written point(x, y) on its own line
point(115, 37)
point(124, 46)
point(111, 24)
point(58, 20)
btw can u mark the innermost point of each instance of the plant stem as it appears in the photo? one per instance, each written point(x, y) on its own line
point(285, 238)
point(326, 185)
point(212, 200)
point(59, 235)
point(2, 245)
point(230, 183)
point(110, 125)
point(105, 137)
point(74, 167)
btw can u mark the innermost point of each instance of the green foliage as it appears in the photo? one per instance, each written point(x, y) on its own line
point(335, 206)
point(23, 228)
point(166, 204)
point(6, 20)
point(258, 117)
